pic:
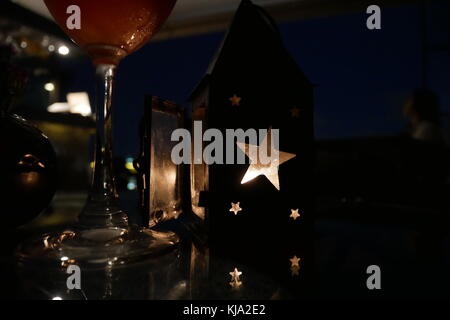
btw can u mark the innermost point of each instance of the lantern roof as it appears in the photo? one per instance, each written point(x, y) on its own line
point(251, 29)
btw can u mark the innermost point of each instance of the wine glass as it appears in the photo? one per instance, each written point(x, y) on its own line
point(109, 31)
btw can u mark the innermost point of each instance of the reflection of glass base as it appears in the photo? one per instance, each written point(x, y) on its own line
point(97, 247)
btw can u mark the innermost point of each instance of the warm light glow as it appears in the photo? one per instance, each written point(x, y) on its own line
point(171, 176)
point(46, 244)
point(295, 271)
point(235, 207)
point(236, 282)
point(295, 262)
point(49, 87)
point(256, 170)
point(77, 102)
point(63, 50)
point(235, 100)
point(59, 107)
point(29, 179)
point(64, 258)
point(295, 266)
point(236, 274)
point(294, 214)
point(270, 170)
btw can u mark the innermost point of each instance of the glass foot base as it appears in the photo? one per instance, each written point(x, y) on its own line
point(97, 247)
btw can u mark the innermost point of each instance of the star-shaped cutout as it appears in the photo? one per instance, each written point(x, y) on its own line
point(269, 170)
point(235, 100)
point(295, 112)
point(236, 282)
point(235, 275)
point(295, 262)
point(235, 207)
point(294, 214)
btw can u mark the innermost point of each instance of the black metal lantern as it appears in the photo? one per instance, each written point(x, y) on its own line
point(257, 217)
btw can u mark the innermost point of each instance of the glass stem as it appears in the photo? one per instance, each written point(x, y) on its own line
point(103, 207)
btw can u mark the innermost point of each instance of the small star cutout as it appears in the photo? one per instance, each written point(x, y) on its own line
point(235, 100)
point(236, 275)
point(294, 214)
point(295, 262)
point(235, 207)
point(269, 170)
point(236, 282)
point(295, 112)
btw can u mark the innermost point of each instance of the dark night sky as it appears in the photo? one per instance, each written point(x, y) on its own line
point(363, 76)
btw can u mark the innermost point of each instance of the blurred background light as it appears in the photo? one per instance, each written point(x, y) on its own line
point(59, 107)
point(132, 184)
point(129, 165)
point(77, 102)
point(49, 87)
point(63, 50)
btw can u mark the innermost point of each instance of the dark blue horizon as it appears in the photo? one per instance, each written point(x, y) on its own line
point(362, 76)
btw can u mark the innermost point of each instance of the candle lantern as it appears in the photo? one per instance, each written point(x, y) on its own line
point(259, 216)
point(160, 178)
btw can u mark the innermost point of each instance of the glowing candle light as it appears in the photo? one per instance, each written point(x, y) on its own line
point(270, 170)
point(236, 282)
point(295, 265)
point(294, 214)
point(235, 207)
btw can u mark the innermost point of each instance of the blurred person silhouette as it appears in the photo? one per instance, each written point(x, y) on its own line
point(427, 155)
point(423, 113)
point(428, 167)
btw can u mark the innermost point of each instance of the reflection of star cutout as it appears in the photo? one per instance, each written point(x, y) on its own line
point(294, 271)
point(235, 100)
point(269, 170)
point(295, 112)
point(235, 284)
point(295, 262)
point(235, 207)
point(294, 214)
point(235, 279)
point(235, 275)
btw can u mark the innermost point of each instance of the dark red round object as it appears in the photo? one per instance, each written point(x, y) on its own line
point(28, 175)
